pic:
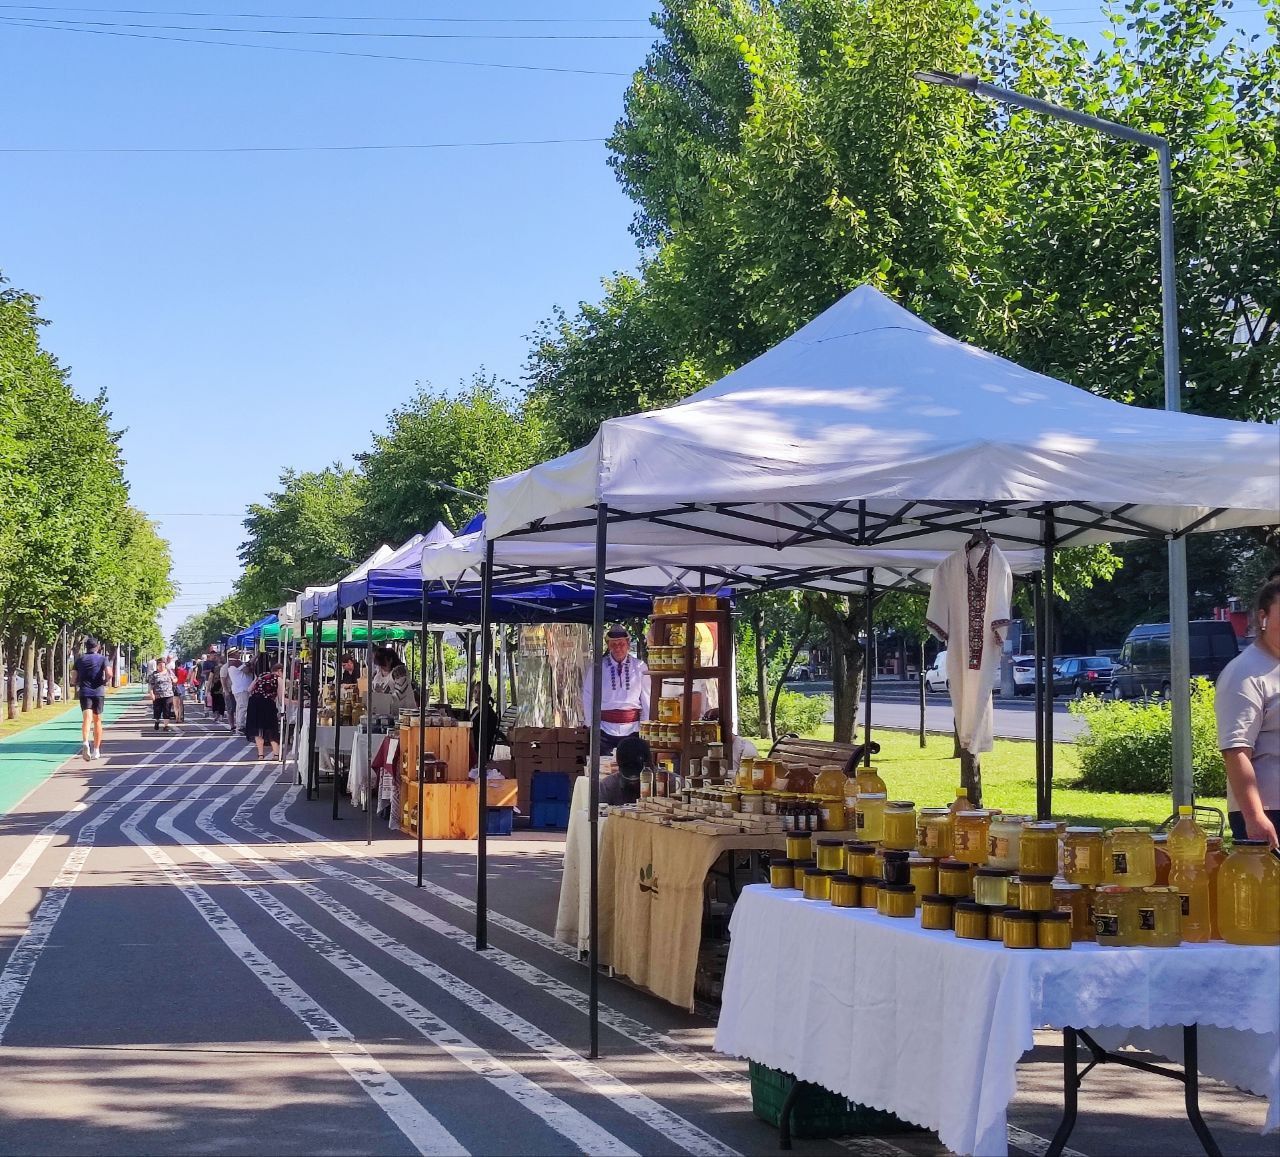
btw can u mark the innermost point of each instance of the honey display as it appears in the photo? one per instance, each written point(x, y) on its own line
point(895, 868)
point(831, 809)
point(860, 858)
point(953, 879)
point(1021, 929)
point(995, 923)
point(937, 913)
point(900, 825)
point(970, 830)
point(1158, 917)
point(990, 887)
point(1038, 849)
point(1131, 857)
point(830, 855)
point(845, 891)
point(970, 920)
point(1249, 895)
point(1113, 915)
point(746, 773)
point(1188, 875)
point(1035, 893)
point(782, 874)
point(934, 833)
point(869, 816)
point(868, 779)
point(1004, 837)
point(869, 892)
point(898, 900)
point(1054, 930)
point(799, 847)
point(1214, 858)
point(924, 875)
point(1077, 901)
point(1083, 856)
point(817, 884)
point(830, 780)
point(962, 802)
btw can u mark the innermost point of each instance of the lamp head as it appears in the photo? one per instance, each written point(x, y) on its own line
point(962, 80)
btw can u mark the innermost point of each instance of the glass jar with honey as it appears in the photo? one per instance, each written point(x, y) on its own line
point(1035, 893)
point(970, 830)
point(869, 891)
point(799, 847)
point(897, 900)
point(1160, 842)
point(995, 922)
point(860, 858)
point(937, 912)
point(1158, 913)
point(1249, 895)
point(1113, 915)
point(934, 833)
point(1021, 929)
point(869, 816)
point(831, 808)
point(1003, 839)
point(869, 780)
point(1131, 857)
point(1214, 858)
point(924, 875)
point(1076, 901)
point(829, 780)
point(817, 884)
point(954, 879)
point(895, 868)
point(830, 854)
point(970, 920)
point(900, 825)
point(1084, 856)
point(991, 887)
point(1054, 930)
point(782, 873)
point(1038, 849)
point(844, 891)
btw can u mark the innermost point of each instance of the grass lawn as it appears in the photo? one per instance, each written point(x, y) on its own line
point(25, 719)
point(929, 776)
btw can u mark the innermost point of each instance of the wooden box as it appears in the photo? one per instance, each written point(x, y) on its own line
point(450, 810)
point(452, 745)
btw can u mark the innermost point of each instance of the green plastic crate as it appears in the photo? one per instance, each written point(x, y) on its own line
point(817, 1112)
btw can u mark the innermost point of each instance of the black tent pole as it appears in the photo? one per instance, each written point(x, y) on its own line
point(868, 664)
point(593, 815)
point(1037, 595)
point(370, 796)
point(337, 708)
point(481, 737)
point(313, 756)
point(1049, 534)
point(422, 726)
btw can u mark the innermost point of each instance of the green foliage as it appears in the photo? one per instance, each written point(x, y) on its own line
point(197, 631)
point(1128, 746)
point(796, 712)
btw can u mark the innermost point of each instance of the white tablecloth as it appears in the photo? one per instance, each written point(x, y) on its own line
point(573, 917)
point(931, 1028)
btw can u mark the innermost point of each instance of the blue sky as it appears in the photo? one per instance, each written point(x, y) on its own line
point(248, 312)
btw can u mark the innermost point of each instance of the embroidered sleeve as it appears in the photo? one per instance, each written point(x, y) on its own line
point(937, 618)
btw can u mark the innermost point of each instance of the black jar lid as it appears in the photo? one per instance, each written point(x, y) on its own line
point(938, 898)
point(896, 856)
point(815, 872)
point(1054, 917)
point(1035, 879)
point(997, 872)
point(870, 881)
point(971, 906)
point(804, 865)
point(828, 843)
point(953, 865)
point(897, 887)
point(843, 878)
point(859, 847)
point(1021, 917)
point(782, 862)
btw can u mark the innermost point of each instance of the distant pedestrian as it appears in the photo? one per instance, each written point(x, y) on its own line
point(160, 690)
point(262, 718)
point(90, 676)
point(242, 676)
point(224, 677)
point(181, 675)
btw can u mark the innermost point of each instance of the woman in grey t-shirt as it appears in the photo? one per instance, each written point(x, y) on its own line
point(1247, 703)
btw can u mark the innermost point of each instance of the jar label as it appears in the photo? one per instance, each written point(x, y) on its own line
point(998, 846)
point(1107, 925)
point(1147, 919)
point(928, 835)
point(961, 840)
point(1186, 903)
point(1120, 863)
point(860, 820)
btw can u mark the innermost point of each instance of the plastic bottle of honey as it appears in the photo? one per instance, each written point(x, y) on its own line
point(1189, 875)
point(961, 803)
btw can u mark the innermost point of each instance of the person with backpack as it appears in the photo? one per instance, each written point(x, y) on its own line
point(90, 676)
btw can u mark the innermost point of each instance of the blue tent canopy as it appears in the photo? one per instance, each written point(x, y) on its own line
point(248, 637)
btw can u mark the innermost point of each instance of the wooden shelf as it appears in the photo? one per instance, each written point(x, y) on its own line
point(698, 617)
point(698, 673)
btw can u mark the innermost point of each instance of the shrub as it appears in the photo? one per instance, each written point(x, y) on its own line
point(1129, 747)
point(796, 712)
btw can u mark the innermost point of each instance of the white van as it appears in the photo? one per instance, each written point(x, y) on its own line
point(935, 678)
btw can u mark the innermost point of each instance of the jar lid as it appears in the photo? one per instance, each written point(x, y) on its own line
point(1066, 886)
point(843, 878)
point(1045, 826)
point(1052, 917)
point(782, 862)
point(831, 798)
point(917, 861)
point(894, 855)
point(815, 872)
point(829, 843)
point(1017, 819)
point(953, 865)
point(870, 881)
point(1248, 843)
point(1112, 889)
point(1025, 917)
point(1128, 831)
point(804, 865)
point(975, 813)
point(935, 898)
point(830, 767)
point(934, 811)
point(970, 906)
point(859, 847)
point(1084, 831)
point(871, 795)
point(1158, 888)
point(1032, 879)
point(897, 888)
point(903, 803)
point(1004, 872)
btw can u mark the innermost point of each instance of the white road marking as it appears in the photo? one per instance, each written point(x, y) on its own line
point(423, 1131)
point(598, 1080)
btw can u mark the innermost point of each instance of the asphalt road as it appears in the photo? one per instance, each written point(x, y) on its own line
point(897, 705)
point(196, 960)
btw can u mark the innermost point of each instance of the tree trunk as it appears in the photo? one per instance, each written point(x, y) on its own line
point(7, 663)
point(50, 670)
point(28, 673)
point(762, 684)
point(971, 776)
point(802, 641)
point(843, 618)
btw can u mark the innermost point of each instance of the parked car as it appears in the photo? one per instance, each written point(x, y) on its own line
point(1024, 674)
point(1143, 665)
point(19, 682)
point(935, 678)
point(799, 672)
point(1082, 675)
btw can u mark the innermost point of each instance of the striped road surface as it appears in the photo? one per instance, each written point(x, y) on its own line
point(197, 960)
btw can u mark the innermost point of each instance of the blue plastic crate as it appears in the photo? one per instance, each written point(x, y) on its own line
point(501, 821)
point(553, 814)
point(551, 785)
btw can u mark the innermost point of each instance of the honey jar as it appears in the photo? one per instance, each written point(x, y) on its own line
point(869, 891)
point(953, 879)
point(745, 777)
point(1021, 929)
point(799, 848)
point(1158, 912)
point(1163, 863)
point(1035, 893)
point(937, 913)
point(706, 602)
point(817, 884)
point(677, 605)
point(1131, 857)
point(1038, 850)
point(991, 887)
point(1076, 901)
point(1083, 856)
point(831, 810)
point(830, 780)
point(676, 634)
point(1113, 916)
point(1054, 930)
point(995, 922)
point(844, 891)
point(860, 859)
point(969, 835)
point(752, 803)
point(895, 869)
point(1004, 837)
point(900, 825)
point(934, 833)
point(782, 874)
point(869, 816)
point(898, 900)
point(970, 920)
point(830, 855)
point(924, 875)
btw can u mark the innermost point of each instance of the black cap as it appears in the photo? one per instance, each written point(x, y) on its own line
point(617, 631)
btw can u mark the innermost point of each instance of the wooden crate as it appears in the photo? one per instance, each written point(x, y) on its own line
point(450, 744)
point(449, 810)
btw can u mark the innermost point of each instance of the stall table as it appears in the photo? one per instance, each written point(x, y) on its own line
point(930, 1027)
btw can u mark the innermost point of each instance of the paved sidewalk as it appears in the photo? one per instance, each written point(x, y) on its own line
point(28, 758)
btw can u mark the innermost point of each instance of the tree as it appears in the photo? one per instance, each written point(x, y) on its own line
point(197, 631)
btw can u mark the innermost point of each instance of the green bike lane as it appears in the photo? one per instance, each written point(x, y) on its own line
point(30, 756)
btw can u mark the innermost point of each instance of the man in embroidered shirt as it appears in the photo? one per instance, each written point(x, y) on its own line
point(624, 687)
point(969, 611)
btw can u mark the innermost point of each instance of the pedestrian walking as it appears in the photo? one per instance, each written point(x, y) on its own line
point(262, 719)
point(224, 677)
point(180, 677)
point(160, 690)
point(90, 676)
point(242, 676)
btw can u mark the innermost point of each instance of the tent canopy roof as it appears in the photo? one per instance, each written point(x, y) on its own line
point(870, 427)
point(399, 576)
point(323, 601)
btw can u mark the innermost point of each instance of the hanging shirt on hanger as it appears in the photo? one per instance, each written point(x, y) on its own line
point(969, 604)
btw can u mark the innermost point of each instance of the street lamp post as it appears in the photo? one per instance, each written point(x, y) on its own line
point(1179, 634)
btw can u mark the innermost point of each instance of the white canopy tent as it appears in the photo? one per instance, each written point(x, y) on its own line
point(322, 602)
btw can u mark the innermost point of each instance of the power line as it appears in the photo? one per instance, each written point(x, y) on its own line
point(12, 22)
point(306, 149)
point(384, 19)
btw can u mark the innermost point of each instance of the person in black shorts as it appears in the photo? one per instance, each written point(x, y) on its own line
point(90, 676)
point(160, 689)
